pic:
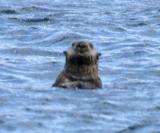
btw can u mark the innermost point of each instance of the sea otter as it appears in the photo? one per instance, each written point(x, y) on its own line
point(81, 67)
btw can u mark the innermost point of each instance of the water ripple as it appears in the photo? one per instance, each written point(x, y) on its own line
point(33, 36)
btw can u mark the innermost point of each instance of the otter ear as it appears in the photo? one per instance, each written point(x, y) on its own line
point(91, 45)
point(65, 53)
point(98, 55)
point(73, 44)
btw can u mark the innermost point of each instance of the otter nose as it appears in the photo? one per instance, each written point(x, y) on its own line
point(81, 45)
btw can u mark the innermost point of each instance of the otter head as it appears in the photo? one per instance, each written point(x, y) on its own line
point(81, 67)
point(82, 53)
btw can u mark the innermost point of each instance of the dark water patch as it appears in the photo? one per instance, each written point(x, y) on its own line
point(2, 122)
point(157, 108)
point(8, 11)
point(31, 20)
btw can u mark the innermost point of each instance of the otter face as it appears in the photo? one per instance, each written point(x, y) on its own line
point(82, 52)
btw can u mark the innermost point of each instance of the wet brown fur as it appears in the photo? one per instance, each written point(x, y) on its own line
point(81, 69)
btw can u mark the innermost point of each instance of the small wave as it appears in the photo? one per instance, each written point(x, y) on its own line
point(31, 20)
point(137, 24)
point(35, 8)
point(132, 128)
point(28, 51)
point(56, 38)
point(64, 36)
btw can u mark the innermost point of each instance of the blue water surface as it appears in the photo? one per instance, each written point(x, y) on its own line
point(33, 36)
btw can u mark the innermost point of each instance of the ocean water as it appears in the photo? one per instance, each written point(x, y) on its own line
point(33, 36)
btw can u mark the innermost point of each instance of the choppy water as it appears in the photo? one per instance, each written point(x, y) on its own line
point(33, 35)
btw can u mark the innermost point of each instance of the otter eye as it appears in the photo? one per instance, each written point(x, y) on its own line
point(73, 44)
